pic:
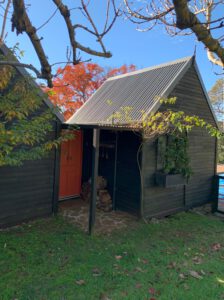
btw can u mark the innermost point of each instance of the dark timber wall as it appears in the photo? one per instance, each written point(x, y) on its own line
point(28, 191)
point(31, 190)
point(128, 183)
point(158, 201)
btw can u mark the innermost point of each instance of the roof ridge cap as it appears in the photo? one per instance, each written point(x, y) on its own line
point(187, 58)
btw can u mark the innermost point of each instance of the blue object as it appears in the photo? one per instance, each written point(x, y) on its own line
point(221, 193)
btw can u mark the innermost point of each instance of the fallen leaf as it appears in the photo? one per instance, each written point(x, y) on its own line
point(145, 261)
point(118, 257)
point(96, 272)
point(138, 285)
point(152, 291)
point(182, 276)
point(202, 272)
point(195, 274)
point(216, 246)
point(80, 282)
point(197, 260)
point(116, 266)
point(172, 265)
point(103, 296)
point(138, 269)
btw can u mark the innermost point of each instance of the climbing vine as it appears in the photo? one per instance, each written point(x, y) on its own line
point(175, 126)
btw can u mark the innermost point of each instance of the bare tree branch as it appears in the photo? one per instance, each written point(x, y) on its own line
point(18, 64)
point(4, 19)
point(186, 19)
point(183, 15)
point(48, 20)
point(71, 31)
point(22, 23)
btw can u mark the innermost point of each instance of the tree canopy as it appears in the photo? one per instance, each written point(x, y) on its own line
point(216, 95)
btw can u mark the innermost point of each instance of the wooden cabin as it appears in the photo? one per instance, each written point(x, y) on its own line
point(126, 160)
point(116, 151)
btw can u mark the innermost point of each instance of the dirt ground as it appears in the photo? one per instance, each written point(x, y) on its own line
point(77, 212)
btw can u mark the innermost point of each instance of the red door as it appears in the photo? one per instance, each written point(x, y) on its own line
point(71, 167)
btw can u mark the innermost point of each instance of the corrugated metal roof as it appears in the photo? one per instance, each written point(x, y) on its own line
point(139, 90)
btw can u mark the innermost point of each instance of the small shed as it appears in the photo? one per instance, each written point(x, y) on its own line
point(126, 160)
point(31, 190)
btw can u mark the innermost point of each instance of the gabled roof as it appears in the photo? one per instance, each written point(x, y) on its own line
point(22, 71)
point(139, 90)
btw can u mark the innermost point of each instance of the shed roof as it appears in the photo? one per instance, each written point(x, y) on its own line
point(139, 90)
point(22, 71)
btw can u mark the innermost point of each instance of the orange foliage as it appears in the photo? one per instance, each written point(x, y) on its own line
point(75, 84)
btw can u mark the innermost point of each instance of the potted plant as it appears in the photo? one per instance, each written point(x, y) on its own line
point(173, 162)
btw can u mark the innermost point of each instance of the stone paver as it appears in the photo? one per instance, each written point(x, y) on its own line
point(77, 212)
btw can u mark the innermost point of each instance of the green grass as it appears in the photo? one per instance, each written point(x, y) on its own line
point(51, 259)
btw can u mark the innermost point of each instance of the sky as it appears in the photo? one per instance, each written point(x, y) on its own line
point(128, 46)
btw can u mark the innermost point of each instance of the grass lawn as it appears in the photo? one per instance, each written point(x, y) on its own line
point(180, 258)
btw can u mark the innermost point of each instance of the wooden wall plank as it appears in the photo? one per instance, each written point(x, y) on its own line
point(161, 201)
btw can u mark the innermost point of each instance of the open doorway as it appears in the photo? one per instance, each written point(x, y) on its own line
point(119, 164)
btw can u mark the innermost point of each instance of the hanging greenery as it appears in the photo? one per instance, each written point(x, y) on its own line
point(173, 155)
point(26, 124)
point(175, 125)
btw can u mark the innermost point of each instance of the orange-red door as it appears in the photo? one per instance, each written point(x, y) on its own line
point(71, 167)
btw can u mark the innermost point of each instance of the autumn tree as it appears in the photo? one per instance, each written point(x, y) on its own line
point(75, 84)
point(204, 19)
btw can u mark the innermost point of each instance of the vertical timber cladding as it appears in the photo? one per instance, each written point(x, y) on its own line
point(161, 201)
point(27, 191)
point(128, 183)
point(157, 201)
point(191, 99)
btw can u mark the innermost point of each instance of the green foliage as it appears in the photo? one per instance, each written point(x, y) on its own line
point(174, 155)
point(26, 125)
point(175, 124)
point(216, 95)
point(123, 115)
point(221, 150)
